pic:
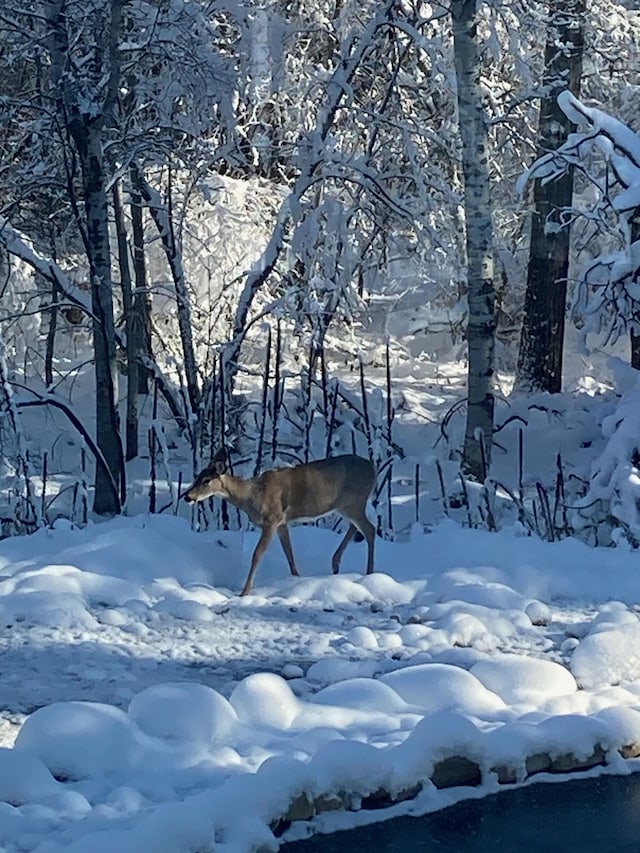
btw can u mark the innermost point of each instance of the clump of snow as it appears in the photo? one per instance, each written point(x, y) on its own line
point(78, 740)
point(440, 687)
point(613, 614)
point(539, 613)
point(334, 669)
point(24, 778)
point(362, 637)
point(527, 681)
point(183, 712)
point(437, 736)
point(608, 656)
point(365, 694)
point(265, 699)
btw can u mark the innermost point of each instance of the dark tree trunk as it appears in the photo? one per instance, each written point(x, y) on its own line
point(481, 324)
point(51, 337)
point(86, 129)
point(141, 296)
point(131, 328)
point(89, 144)
point(542, 336)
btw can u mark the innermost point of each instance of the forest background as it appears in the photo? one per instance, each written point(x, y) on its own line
point(301, 229)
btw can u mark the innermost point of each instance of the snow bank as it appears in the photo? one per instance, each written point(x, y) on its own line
point(214, 719)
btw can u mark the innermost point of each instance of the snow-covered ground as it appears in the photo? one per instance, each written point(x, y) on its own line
point(144, 706)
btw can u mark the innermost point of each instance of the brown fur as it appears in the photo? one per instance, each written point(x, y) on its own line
point(340, 483)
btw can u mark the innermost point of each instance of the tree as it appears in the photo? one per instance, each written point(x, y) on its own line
point(83, 49)
point(481, 322)
point(542, 335)
point(607, 301)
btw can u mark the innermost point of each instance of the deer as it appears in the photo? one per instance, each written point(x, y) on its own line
point(303, 492)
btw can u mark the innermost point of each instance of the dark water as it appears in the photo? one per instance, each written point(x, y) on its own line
point(600, 815)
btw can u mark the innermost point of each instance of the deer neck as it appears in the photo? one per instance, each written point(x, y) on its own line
point(238, 491)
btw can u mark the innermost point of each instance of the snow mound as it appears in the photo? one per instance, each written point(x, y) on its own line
point(363, 638)
point(265, 699)
point(608, 656)
point(363, 694)
point(523, 680)
point(183, 712)
point(435, 737)
point(24, 778)
point(78, 740)
point(440, 687)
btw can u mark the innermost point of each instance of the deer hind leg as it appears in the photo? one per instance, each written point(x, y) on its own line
point(285, 541)
point(359, 521)
point(261, 547)
point(335, 560)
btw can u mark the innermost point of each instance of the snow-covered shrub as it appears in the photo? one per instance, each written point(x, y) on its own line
point(612, 502)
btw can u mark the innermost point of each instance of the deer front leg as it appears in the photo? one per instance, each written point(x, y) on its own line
point(285, 541)
point(335, 562)
point(261, 547)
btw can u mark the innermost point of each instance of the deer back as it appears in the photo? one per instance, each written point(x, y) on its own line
point(317, 488)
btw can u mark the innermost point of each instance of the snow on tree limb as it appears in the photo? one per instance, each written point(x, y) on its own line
point(336, 89)
point(21, 247)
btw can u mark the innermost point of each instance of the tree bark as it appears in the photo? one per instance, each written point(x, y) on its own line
point(542, 337)
point(479, 241)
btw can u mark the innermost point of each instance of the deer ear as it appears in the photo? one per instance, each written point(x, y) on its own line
point(220, 461)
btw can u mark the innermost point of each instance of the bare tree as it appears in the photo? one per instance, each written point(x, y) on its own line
point(83, 43)
point(479, 240)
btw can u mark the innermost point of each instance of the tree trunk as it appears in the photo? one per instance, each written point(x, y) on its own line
point(51, 337)
point(141, 296)
point(542, 337)
point(479, 241)
point(89, 143)
point(85, 127)
point(131, 327)
point(164, 225)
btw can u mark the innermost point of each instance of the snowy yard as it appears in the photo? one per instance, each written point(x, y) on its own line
point(145, 706)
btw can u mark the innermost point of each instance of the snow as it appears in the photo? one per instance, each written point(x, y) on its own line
point(147, 706)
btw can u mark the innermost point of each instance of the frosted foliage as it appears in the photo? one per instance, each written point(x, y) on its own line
point(19, 327)
point(211, 217)
point(614, 492)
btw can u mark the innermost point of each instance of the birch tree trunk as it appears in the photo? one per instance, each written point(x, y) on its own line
point(84, 119)
point(542, 337)
point(479, 241)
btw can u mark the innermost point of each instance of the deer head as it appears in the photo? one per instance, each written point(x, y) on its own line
point(209, 481)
